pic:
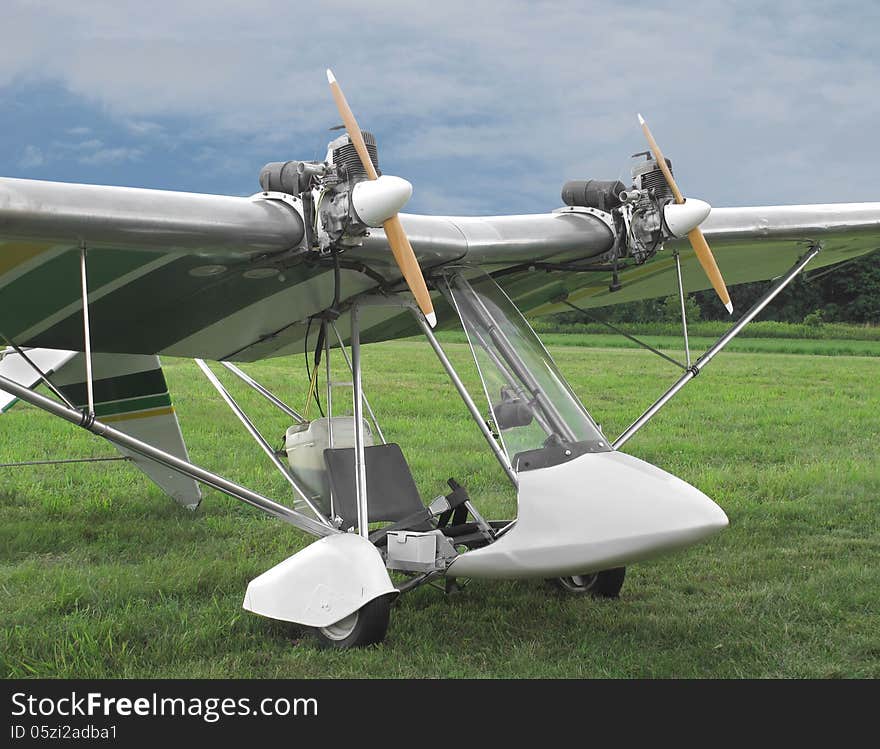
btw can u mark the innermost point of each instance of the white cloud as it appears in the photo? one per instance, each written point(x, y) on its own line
point(89, 152)
point(550, 88)
point(116, 155)
point(31, 157)
point(143, 128)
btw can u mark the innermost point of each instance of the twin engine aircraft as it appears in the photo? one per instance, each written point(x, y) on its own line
point(96, 283)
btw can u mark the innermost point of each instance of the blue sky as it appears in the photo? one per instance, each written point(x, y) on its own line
point(487, 107)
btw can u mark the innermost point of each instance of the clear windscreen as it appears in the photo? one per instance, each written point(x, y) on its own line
point(537, 416)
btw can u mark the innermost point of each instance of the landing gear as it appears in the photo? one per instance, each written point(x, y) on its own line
point(366, 626)
point(604, 584)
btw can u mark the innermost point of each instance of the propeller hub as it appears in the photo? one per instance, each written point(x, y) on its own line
point(375, 201)
point(682, 218)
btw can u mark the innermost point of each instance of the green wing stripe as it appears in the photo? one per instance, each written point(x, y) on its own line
point(119, 388)
point(50, 287)
point(172, 304)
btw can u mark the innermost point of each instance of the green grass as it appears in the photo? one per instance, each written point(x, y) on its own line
point(102, 576)
point(674, 344)
point(715, 328)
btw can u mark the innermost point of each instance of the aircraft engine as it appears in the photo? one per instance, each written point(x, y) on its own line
point(638, 212)
point(338, 193)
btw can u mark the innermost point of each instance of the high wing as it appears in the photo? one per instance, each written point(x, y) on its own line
point(750, 243)
point(221, 277)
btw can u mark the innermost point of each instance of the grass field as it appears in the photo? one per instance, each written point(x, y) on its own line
point(102, 576)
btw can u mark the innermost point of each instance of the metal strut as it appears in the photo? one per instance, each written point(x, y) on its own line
point(684, 320)
point(258, 438)
point(710, 353)
point(87, 336)
point(271, 397)
point(42, 375)
point(369, 408)
point(499, 453)
point(65, 461)
point(191, 470)
point(360, 462)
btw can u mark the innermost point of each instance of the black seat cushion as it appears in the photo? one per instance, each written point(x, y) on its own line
point(391, 491)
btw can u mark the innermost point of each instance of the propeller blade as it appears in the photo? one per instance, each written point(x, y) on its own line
point(661, 161)
point(397, 239)
point(695, 236)
point(351, 126)
point(710, 267)
point(409, 267)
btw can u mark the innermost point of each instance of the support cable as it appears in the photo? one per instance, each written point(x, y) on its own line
point(624, 334)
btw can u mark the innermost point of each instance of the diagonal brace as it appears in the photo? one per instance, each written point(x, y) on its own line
point(701, 363)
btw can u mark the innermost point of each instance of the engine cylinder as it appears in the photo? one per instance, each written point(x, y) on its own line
point(647, 176)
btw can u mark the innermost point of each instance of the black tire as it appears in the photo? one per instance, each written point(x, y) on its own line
point(604, 584)
point(366, 626)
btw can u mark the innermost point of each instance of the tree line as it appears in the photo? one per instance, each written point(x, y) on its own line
point(849, 292)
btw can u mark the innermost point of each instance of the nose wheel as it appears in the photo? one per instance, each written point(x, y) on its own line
point(366, 626)
point(603, 584)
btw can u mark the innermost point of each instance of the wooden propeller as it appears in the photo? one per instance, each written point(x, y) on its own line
point(397, 239)
point(695, 235)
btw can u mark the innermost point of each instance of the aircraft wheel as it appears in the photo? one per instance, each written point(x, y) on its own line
point(604, 584)
point(366, 626)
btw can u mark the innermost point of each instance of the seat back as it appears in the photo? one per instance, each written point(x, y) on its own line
point(391, 491)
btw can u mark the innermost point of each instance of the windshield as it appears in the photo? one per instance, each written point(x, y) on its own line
point(538, 418)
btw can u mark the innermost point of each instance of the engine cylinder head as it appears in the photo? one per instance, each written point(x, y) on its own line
point(344, 154)
point(647, 175)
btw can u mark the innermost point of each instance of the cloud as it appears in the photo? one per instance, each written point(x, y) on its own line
point(143, 128)
point(32, 157)
point(116, 155)
point(533, 91)
point(89, 152)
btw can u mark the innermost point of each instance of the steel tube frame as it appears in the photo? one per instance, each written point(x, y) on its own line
point(65, 461)
point(87, 335)
point(329, 407)
point(43, 376)
point(191, 470)
point(684, 322)
point(466, 397)
point(508, 351)
point(269, 396)
point(258, 438)
point(502, 368)
point(366, 400)
point(710, 353)
point(325, 325)
point(357, 397)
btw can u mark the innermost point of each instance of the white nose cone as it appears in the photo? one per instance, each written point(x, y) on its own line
point(683, 217)
point(377, 200)
point(598, 511)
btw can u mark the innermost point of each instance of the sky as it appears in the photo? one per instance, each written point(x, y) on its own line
point(486, 107)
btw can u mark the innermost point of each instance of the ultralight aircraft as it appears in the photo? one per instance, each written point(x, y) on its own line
point(97, 282)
